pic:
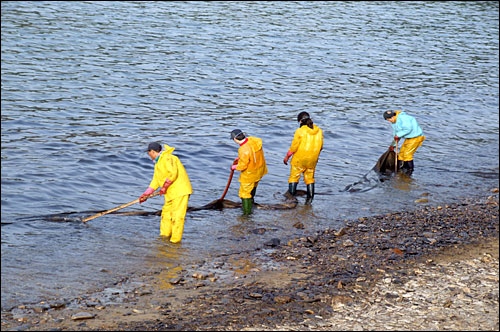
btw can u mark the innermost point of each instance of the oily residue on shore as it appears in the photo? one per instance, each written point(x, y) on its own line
point(287, 283)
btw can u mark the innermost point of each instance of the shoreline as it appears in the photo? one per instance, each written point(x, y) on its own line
point(429, 268)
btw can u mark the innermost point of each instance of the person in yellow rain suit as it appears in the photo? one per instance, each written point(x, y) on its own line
point(172, 177)
point(306, 146)
point(252, 165)
point(405, 126)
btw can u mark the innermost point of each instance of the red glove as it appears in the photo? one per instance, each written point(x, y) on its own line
point(288, 155)
point(233, 167)
point(144, 196)
point(396, 138)
point(391, 148)
point(165, 186)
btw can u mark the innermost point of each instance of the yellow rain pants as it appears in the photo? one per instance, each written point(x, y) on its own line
point(172, 218)
point(409, 147)
point(246, 189)
point(251, 164)
point(306, 146)
point(296, 172)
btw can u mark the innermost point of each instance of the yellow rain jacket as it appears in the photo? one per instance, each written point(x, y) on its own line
point(169, 166)
point(251, 163)
point(306, 146)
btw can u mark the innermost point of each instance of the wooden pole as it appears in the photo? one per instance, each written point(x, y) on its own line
point(118, 208)
point(396, 156)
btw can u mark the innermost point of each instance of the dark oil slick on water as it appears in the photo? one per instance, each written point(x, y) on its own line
point(87, 85)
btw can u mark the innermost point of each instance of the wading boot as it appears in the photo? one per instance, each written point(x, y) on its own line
point(410, 165)
point(247, 205)
point(310, 193)
point(254, 190)
point(292, 188)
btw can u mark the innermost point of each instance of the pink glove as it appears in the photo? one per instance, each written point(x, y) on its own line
point(144, 196)
point(165, 186)
point(288, 155)
point(233, 167)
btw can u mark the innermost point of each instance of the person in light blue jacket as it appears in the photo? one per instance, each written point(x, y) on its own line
point(405, 126)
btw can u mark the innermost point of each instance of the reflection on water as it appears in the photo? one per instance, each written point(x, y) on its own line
point(86, 86)
point(404, 182)
point(167, 262)
point(241, 266)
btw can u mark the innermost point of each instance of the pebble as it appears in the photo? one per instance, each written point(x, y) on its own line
point(82, 315)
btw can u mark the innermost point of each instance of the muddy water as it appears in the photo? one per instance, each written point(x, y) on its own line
point(86, 86)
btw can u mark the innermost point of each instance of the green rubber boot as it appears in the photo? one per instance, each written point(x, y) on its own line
point(247, 205)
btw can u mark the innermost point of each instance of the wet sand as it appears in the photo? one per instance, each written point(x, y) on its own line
point(434, 267)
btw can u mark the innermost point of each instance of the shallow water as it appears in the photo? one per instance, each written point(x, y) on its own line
point(87, 85)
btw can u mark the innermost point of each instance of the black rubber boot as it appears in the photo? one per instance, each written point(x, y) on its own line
point(401, 164)
point(292, 188)
point(247, 205)
point(254, 190)
point(410, 167)
point(310, 193)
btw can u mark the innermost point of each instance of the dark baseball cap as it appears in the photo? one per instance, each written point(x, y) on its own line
point(154, 146)
point(389, 114)
point(236, 133)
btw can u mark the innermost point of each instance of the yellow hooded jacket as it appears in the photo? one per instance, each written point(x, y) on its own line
point(251, 161)
point(169, 166)
point(306, 145)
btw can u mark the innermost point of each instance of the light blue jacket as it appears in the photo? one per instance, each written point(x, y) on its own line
point(406, 126)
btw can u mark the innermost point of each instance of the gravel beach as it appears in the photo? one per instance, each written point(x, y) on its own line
point(432, 268)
